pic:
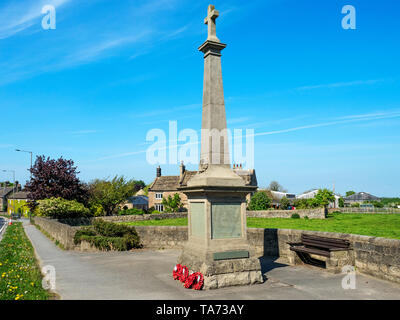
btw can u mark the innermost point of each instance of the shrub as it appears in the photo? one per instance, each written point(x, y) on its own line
point(61, 208)
point(307, 203)
point(259, 201)
point(129, 212)
point(84, 231)
point(306, 217)
point(97, 210)
point(107, 243)
point(111, 229)
point(109, 236)
point(295, 216)
point(377, 204)
point(284, 203)
point(152, 210)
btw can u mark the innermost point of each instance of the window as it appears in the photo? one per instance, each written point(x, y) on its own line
point(158, 195)
point(159, 207)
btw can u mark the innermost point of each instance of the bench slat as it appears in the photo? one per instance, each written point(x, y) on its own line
point(324, 239)
point(324, 244)
point(311, 251)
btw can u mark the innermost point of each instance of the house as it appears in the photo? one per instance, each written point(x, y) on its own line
point(17, 203)
point(138, 201)
point(164, 186)
point(5, 193)
point(360, 197)
point(312, 193)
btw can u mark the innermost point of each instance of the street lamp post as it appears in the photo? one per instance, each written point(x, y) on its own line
point(31, 158)
point(13, 172)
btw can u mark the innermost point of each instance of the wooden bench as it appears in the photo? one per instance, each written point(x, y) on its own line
point(334, 251)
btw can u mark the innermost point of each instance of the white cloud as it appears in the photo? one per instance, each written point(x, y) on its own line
point(346, 119)
point(340, 84)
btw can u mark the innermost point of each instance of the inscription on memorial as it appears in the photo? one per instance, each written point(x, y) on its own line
point(198, 220)
point(226, 220)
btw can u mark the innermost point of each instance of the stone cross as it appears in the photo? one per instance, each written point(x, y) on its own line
point(210, 21)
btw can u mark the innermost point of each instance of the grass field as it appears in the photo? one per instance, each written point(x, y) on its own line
point(378, 225)
point(20, 277)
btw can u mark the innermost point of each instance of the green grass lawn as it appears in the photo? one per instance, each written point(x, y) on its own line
point(163, 222)
point(20, 277)
point(378, 225)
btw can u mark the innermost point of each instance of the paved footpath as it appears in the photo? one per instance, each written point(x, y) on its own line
point(147, 274)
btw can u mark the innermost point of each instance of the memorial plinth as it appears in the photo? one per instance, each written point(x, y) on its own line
point(217, 245)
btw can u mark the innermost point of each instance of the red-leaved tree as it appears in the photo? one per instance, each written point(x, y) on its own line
point(55, 178)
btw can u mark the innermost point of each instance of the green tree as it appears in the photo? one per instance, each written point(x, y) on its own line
point(341, 202)
point(313, 203)
point(110, 193)
point(172, 204)
point(284, 203)
point(259, 201)
point(324, 197)
point(349, 193)
point(276, 186)
point(55, 178)
point(139, 184)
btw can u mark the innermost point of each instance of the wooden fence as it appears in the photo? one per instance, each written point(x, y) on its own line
point(366, 210)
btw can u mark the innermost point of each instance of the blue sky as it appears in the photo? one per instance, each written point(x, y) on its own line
point(324, 102)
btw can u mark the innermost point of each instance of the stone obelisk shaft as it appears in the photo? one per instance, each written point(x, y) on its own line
point(214, 137)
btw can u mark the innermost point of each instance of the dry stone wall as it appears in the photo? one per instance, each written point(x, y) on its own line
point(318, 213)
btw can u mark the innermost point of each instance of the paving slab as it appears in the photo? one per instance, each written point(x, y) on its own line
point(147, 274)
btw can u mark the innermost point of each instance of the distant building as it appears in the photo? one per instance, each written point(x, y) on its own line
point(18, 203)
point(164, 186)
point(360, 197)
point(5, 193)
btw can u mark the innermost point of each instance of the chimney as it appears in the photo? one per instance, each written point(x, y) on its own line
point(241, 166)
point(181, 170)
point(158, 172)
point(17, 187)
